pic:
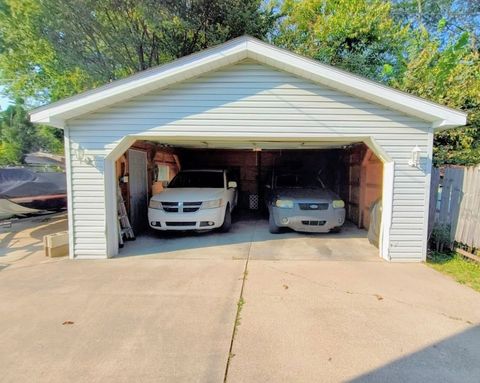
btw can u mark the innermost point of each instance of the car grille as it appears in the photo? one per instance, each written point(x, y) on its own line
point(314, 223)
point(313, 206)
point(181, 207)
point(181, 223)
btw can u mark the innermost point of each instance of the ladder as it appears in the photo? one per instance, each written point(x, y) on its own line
point(124, 227)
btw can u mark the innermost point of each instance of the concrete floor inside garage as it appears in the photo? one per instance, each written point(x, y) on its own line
point(249, 238)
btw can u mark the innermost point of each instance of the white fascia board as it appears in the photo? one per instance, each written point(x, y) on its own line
point(444, 124)
point(179, 70)
point(442, 116)
point(236, 50)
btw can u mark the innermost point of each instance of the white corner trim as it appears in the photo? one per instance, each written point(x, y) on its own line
point(387, 208)
point(440, 125)
point(428, 182)
point(68, 170)
point(377, 149)
point(111, 220)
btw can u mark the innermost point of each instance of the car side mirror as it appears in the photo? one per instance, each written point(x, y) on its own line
point(232, 184)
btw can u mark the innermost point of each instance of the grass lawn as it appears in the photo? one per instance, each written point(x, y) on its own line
point(462, 270)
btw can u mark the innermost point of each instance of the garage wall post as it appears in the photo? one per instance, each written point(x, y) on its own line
point(387, 196)
point(68, 169)
point(428, 181)
point(111, 214)
point(111, 225)
point(387, 209)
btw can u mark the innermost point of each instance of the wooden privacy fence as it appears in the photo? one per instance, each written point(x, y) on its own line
point(455, 204)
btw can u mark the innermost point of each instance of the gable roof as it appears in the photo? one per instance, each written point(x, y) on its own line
point(233, 51)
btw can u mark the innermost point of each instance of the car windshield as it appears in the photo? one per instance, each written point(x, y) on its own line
point(197, 180)
point(297, 181)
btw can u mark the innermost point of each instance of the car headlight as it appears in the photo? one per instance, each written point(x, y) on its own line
point(338, 204)
point(284, 203)
point(211, 204)
point(155, 205)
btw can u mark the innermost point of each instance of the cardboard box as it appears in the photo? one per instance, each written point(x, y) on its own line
point(56, 245)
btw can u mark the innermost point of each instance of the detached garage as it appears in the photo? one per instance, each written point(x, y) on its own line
point(250, 107)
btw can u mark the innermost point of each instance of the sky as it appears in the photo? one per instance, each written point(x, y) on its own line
point(4, 101)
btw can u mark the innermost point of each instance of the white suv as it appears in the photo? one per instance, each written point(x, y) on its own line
point(195, 200)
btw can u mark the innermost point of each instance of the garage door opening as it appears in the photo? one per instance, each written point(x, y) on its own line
point(350, 170)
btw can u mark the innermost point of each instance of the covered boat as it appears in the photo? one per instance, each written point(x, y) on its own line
point(37, 191)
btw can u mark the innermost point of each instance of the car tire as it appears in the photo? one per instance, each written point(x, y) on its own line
point(227, 221)
point(337, 229)
point(272, 226)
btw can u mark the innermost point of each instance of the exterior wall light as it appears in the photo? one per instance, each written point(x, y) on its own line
point(80, 154)
point(82, 157)
point(415, 160)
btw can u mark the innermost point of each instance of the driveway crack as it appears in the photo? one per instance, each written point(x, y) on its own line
point(240, 303)
point(377, 296)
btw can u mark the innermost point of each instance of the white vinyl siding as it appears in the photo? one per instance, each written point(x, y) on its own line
point(249, 98)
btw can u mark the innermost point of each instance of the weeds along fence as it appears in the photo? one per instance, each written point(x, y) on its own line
point(455, 208)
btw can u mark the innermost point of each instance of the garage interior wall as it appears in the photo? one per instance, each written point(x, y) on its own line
point(155, 155)
point(247, 99)
point(363, 184)
point(353, 172)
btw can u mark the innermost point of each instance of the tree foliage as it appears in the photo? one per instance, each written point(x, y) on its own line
point(450, 76)
point(18, 136)
point(55, 48)
point(29, 65)
point(358, 35)
point(453, 16)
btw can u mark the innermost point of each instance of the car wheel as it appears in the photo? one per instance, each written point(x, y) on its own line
point(336, 229)
point(272, 226)
point(227, 221)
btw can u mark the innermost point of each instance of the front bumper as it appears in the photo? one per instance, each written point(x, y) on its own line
point(312, 221)
point(203, 219)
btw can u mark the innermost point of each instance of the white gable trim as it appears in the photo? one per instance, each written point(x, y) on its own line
point(234, 51)
point(355, 85)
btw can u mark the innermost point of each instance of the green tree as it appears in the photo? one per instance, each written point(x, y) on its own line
point(448, 73)
point(50, 49)
point(18, 136)
point(454, 16)
point(29, 66)
point(358, 35)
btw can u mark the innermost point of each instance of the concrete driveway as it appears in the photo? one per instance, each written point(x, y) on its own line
point(169, 316)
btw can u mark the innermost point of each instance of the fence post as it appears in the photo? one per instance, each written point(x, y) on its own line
point(434, 186)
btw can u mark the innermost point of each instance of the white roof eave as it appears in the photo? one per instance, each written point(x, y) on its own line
point(58, 113)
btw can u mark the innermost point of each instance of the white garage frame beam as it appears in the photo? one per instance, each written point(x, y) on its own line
point(111, 227)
